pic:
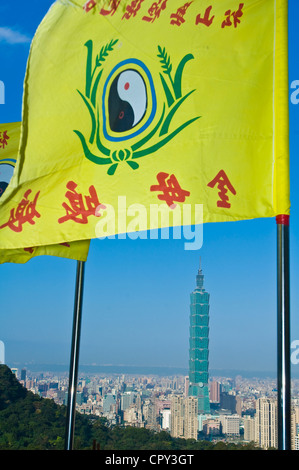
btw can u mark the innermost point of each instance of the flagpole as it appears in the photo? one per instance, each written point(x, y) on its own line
point(283, 334)
point(74, 359)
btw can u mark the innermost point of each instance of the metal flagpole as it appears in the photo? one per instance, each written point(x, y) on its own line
point(74, 360)
point(283, 334)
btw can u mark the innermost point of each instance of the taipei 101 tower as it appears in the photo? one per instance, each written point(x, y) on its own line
point(199, 345)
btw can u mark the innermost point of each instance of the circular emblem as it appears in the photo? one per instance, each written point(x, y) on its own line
point(129, 101)
point(7, 166)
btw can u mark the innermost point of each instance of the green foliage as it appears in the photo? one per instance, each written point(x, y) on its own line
point(29, 422)
point(10, 389)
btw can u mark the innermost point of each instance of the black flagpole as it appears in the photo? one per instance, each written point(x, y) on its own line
point(74, 360)
point(283, 334)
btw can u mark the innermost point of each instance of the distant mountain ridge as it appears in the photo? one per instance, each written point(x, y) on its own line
point(145, 370)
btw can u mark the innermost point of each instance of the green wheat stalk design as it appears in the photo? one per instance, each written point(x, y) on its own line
point(100, 58)
point(167, 66)
point(93, 77)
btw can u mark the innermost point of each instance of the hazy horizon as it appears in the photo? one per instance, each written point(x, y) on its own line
point(136, 294)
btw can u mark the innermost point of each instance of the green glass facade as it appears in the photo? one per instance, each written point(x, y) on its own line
point(199, 345)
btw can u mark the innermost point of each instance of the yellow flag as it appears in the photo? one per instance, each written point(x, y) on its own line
point(10, 139)
point(132, 105)
point(73, 250)
point(9, 145)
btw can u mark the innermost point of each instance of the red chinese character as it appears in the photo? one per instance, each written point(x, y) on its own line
point(178, 17)
point(224, 185)
point(25, 212)
point(170, 188)
point(89, 5)
point(30, 250)
point(131, 10)
point(206, 20)
point(155, 10)
point(113, 4)
point(235, 14)
point(4, 139)
point(77, 210)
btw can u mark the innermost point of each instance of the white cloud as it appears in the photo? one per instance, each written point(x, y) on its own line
point(12, 36)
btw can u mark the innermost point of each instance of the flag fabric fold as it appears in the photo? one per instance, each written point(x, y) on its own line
point(129, 105)
point(77, 251)
point(10, 139)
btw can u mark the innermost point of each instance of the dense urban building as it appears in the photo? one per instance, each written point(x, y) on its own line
point(230, 424)
point(266, 422)
point(184, 413)
point(214, 392)
point(249, 428)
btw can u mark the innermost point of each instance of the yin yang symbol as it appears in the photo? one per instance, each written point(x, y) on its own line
point(6, 172)
point(129, 101)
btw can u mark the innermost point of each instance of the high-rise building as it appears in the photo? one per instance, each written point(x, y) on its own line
point(239, 404)
point(199, 345)
point(127, 398)
point(249, 428)
point(215, 392)
point(109, 402)
point(177, 416)
point(228, 401)
point(294, 426)
point(23, 374)
point(152, 417)
point(184, 412)
point(186, 386)
point(266, 422)
point(190, 418)
point(166, 418)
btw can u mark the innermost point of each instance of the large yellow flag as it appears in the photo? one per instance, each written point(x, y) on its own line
point(131, 104)
point(10, 139)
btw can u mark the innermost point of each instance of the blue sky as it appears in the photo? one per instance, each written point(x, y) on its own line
point(136, 296)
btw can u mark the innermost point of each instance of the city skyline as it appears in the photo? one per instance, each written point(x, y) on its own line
point(242, 409)
point(136, 294)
